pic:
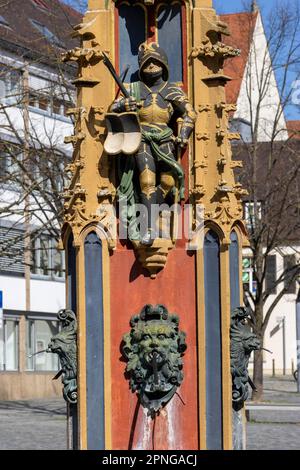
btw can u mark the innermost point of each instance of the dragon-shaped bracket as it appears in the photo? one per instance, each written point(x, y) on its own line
point(65, 345)
point(242, 342)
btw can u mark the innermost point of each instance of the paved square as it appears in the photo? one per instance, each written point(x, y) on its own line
point(42, 424)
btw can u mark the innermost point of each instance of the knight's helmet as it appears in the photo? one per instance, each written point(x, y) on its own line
point(153, 51)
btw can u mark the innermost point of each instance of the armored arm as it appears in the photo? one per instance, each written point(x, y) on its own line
point(183, 107)
point(122, 105)
point(189, 118)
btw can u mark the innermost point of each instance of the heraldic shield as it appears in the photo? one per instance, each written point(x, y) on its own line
point(123, 133)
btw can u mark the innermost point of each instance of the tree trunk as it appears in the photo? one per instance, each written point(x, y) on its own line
point(258, 376)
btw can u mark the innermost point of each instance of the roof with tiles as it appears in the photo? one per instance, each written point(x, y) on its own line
point(293, 129)
point(241, 27)
point(40, 26)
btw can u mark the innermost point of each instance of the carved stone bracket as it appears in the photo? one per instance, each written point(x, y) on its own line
point(236, 164)
point(233, 136)
point(74, 139)
point(221, 163)
point(207, 49)
point(154, 257)
point(98, 110)
point(106, 191)
point(79, 115)
point(221, 134)
point(202, 164)
point(74, 167)
point(198, 192)
point(204, 108)
point(71, 194)
point(227, 108)
point(202, 136)
point(239, 191)
point(84, 56)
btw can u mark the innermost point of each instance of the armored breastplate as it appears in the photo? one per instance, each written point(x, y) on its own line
point(155, 110)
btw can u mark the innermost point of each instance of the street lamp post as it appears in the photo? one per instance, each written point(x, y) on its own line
point(298, 339)
point(283, 346)
point(281, 323)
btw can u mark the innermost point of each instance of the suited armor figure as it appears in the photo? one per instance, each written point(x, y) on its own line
point(158, 104)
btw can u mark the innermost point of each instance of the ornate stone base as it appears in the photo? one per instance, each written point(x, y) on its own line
point(153, 257)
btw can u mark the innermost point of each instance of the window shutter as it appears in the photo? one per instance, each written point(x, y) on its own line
point(12, 245)
point(271, 274)
point(289, 263)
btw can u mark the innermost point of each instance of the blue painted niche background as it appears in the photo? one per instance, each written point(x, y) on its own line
point(133, 31)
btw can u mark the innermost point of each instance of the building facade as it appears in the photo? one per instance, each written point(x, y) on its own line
point(32, 295)
point(252, 72)
point(35, 96)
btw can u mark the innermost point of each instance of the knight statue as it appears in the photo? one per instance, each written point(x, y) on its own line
point(151, 174)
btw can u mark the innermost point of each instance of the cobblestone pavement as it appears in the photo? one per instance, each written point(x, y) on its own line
point(41, 424)
point(33, 425)
point(276, 429)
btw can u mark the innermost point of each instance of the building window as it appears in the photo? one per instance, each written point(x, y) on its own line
point(38, 336)
point(252, 213)
point(10, 83)
point(56, 106)
point(47, 260)
point(271, 274)
point(11, 250)
point(9, 345)
point(10, 159)
point(5, 164)
point(3, 22)
point(54, 40)
point(290, 265)
point(52, 105)
point(40, 4)
point(249, 284)
point(43, 103)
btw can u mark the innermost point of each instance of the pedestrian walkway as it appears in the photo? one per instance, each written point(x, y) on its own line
point(41, 424)
point(275, 423)
point(33, 425)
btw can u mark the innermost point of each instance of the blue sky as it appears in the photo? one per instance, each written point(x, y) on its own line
point(234, 6)
point(222, 6)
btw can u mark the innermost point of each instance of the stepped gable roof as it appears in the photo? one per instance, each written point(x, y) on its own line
point(37, 26)
point(241, 27)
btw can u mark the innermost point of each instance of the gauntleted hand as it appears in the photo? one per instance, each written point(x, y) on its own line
point(182, 143)
point(130, 104)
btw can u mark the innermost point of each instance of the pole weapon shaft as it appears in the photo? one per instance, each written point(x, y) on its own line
point(116, 77)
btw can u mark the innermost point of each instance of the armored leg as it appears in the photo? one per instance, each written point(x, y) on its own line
point(167, 179)
point(148, 196)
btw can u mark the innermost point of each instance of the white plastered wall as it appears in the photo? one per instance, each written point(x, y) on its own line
point(258, 66)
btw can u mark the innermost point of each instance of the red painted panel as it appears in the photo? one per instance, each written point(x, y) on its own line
point(177, 425)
